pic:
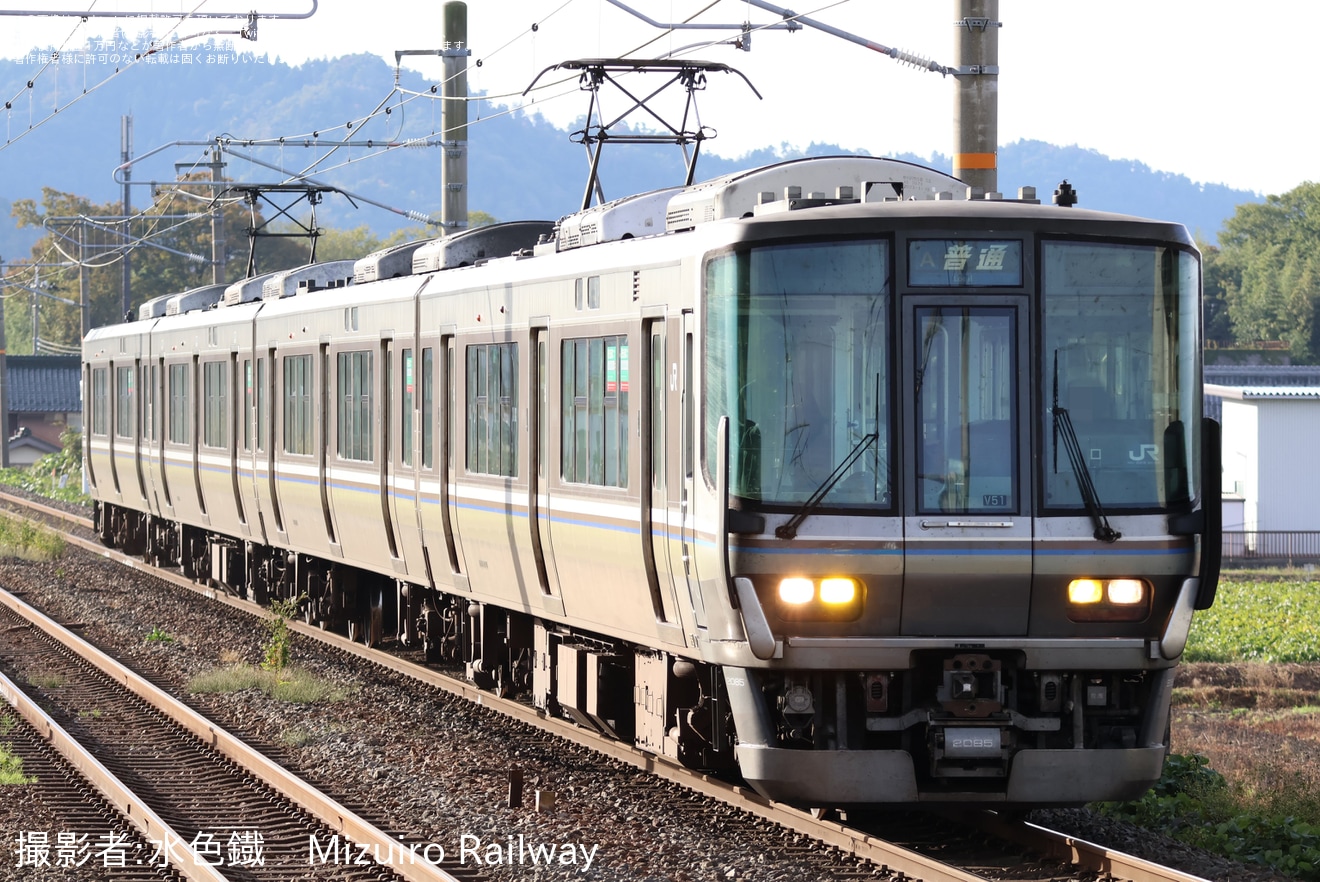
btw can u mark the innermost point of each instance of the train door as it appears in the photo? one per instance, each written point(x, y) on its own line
point(655, 470)
point(238, 441)
point(393, 514)
point(164, 501)
point(688, 469)
point(140, 448)
point(448, 500)
point(967, 511)
point(405, 485)
point(538, 499)
point(118, 427)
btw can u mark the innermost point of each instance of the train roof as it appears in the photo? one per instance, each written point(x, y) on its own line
point(842, 193)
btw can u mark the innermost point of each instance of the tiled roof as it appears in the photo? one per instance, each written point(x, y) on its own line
point(43, 383)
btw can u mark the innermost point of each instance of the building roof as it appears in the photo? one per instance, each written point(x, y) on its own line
point(1247, 393)
point(25, 438)
point(43, 383)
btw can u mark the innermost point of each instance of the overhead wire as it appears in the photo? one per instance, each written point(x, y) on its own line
point(137, 58)
point(406, 96)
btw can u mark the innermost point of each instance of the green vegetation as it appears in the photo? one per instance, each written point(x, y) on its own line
point(175, 265)
point(1193, 803)
point(1263, 282)
point(1269, 814)
point(293, 685)
point(56, 475)
point(20, 537)
point(158, 636)
point(11, 767)
point(277, 647)
point(1259, 621)
point(47, 680)
point(298, 736)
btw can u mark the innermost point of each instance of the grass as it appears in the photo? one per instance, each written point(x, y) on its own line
point(11, 768)
point(1194, 803)
point(11, 765)
point(22, 538)
point(1257, 712)
point(298, 736)
point(291, 684)
point(48, 680)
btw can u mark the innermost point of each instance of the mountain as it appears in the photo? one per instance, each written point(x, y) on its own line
point(519, 165)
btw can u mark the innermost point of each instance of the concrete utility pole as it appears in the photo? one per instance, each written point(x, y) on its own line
point(976, 103)
point(454, 118)
point(125, 154)
point(84, 279)
point(217, 167)
point(4, 390)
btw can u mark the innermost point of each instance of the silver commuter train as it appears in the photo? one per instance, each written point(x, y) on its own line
point(823, 471)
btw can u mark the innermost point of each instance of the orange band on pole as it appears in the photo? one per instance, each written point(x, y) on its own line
point(974, 160)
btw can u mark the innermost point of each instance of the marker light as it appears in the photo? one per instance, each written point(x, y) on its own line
point(837, 591)
point(797, 591)
point(1085, 591)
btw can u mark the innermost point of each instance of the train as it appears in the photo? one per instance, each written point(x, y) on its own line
point(828, 474)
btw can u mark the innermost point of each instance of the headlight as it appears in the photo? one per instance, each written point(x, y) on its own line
point(826, 599)
point(1126, 591)
point(1108, 600)
point(797, 591)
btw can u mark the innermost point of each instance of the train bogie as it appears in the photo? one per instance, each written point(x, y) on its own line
point(874, 496)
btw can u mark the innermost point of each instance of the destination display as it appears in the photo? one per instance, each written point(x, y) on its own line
point(964, 263)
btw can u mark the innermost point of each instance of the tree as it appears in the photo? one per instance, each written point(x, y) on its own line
point(1268, 274)
point(170, 243)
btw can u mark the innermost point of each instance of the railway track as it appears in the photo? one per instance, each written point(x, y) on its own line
point(869, 841)
point(210, 806)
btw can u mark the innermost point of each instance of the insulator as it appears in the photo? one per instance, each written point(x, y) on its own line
point(917, 61)
point(420, 217)
point(418, 142)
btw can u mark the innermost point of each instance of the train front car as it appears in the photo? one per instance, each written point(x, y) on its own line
point(962, 464)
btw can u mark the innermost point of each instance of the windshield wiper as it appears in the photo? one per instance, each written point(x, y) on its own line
point(1063, 426)
point(788, 529)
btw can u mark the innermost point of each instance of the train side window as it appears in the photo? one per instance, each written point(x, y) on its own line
point(180, 383)
point(354, 384)
point(124, 402)
point(215, 404)
point(100, 421)
point(406, 403)
point(149, 402)
point(247, 404)
point(298, 424)
point(590, 287)
point(428, 407)
point(261, 403)
point(595, 411)
point(492, 409)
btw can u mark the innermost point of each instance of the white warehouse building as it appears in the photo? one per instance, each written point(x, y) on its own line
point(1271, 456)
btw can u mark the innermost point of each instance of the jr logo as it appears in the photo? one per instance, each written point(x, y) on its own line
point(1144, 453)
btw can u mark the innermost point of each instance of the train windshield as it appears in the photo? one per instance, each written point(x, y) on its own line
point(797, 356)
point(1119, 362)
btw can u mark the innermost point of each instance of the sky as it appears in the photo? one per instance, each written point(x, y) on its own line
point(1211, 89)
